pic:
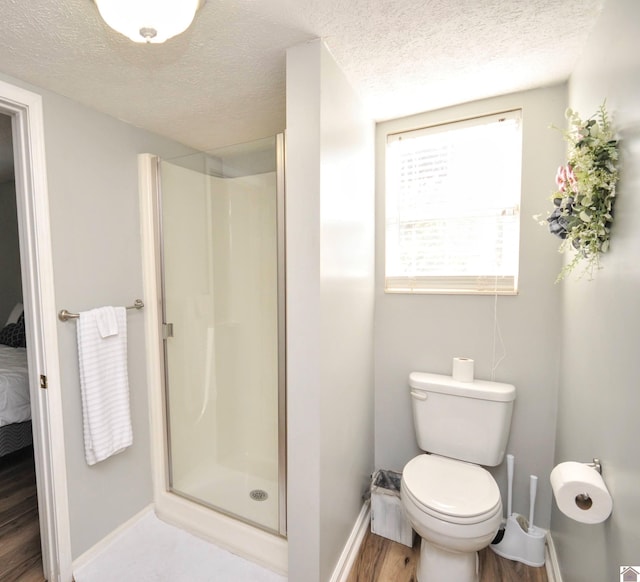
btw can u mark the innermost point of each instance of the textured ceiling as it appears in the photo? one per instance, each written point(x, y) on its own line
point(223, 81)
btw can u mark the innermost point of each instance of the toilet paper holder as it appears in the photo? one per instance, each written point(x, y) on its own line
point(595, 465)
point(583, 500)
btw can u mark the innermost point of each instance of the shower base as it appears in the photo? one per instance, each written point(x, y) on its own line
point(248, 497)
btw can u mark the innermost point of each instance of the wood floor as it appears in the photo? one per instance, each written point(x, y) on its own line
point(381, 560)
point(20, 558)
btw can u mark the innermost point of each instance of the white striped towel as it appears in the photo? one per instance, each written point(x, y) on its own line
point(104, 385)
point(107, 321)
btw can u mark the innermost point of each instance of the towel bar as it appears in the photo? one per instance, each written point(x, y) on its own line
point(65, 315)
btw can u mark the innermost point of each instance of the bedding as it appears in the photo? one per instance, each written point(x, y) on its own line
point(14, 334)
point(14, 437)
point(15, 405)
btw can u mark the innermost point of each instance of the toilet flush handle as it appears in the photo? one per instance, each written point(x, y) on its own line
point(419, 395)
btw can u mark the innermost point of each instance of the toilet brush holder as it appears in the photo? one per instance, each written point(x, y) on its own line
point(521, 542)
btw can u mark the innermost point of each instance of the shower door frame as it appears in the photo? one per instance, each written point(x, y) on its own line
point(267, 548)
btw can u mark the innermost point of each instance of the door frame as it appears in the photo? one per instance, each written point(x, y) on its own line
point(26, 112)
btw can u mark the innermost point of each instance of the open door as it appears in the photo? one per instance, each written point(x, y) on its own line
point(25, 109)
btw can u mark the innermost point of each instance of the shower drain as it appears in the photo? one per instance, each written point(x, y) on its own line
point(258, 495)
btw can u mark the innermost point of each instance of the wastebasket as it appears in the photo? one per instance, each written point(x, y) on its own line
point(387, 515)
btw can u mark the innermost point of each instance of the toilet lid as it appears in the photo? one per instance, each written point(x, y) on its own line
point(451, 487)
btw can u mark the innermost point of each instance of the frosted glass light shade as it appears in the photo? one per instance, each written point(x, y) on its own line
point(148, 20)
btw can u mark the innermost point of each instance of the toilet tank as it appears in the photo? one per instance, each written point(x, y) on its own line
point(469, 421)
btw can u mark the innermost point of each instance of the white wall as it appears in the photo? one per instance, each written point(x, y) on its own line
point(330, 206)
point(599, 403)
point(424, 332)
point(93, 198)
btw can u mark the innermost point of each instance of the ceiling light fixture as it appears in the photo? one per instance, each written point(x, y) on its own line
point(148, 21)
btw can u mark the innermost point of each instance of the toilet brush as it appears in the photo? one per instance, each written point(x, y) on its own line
point(510, 460)
point(533, 486)
point(521, 540)
point(500, 534)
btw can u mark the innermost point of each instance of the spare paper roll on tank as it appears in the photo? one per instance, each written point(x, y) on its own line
point(580, 492)
point(462, 370)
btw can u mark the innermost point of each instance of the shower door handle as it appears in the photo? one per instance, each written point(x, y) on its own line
point(167, 330)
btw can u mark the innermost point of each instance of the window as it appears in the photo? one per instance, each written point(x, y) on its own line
point(453, 207)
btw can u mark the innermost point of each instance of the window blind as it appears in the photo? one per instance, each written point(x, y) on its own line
point(453, 207)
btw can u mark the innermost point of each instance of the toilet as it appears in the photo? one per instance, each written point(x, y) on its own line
point(451, 501)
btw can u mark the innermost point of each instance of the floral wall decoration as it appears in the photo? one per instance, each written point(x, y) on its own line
point(586, 190)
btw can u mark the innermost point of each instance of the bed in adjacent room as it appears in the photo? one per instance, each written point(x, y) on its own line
point(15, 405)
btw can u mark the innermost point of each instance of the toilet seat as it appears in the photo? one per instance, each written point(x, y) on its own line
point(451, 490)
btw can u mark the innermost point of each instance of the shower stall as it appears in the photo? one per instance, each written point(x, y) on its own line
point(219, 277)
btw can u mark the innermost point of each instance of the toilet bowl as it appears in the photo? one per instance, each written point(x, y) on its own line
point(455, 507)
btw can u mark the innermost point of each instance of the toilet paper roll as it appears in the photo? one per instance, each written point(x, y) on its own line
point(581, 493)
point(462, 370)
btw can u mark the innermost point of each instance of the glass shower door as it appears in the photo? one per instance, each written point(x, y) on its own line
point(223, 328)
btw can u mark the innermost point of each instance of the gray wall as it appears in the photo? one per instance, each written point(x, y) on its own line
point(424, 332)
point(93, 197)
point(599, 405)
point(11, 287)
point(330, 245)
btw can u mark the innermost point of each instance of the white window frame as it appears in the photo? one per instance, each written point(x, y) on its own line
point(496, 282)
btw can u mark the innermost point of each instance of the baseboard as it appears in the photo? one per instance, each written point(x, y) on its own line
point(106, 541)
point(551, 561)
point(351, 548)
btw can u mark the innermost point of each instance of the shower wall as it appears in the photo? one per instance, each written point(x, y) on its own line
point(220, 258)
point(245, 288)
